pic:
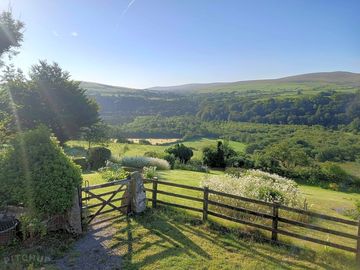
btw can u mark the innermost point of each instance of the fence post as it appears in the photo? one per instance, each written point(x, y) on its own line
point(358, 246)
point(205, 204)
point(79, 190)
point(274, 234)
point(154, 192)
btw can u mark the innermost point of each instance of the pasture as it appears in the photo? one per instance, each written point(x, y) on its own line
point(179, 240)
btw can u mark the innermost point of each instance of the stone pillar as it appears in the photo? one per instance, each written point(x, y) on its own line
point(137, 191)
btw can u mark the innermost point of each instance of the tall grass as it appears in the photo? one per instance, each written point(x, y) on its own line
point(141, 162)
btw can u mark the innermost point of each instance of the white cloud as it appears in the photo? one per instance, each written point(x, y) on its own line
point(74, 34)
point(55, 34)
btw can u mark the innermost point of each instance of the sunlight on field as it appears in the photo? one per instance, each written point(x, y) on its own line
point(320, 200)
point(135, 149)
point(154, 141)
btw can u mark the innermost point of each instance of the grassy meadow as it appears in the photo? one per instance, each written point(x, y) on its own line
point(178, 239)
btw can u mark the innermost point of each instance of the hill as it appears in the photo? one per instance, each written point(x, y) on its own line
point(338, 79)
point(93, 88)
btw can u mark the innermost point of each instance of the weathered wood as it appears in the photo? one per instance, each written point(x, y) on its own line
point(205, 204)
point(154, 193)
point(358, 245)
point(275, 219)
point(317, 228)
point(109, 184)
point(179, 205)
point(240, 198)
point(100, 194)
point(248, 223)
point(176, 185)
point(101, 203)
point(108, 211)
point(314, 240)
point(175, 195)
point(106, 203)
point(322, 216)
point(95, 196)
point(240, 209)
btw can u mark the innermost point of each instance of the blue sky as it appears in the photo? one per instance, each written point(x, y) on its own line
point(144, 43)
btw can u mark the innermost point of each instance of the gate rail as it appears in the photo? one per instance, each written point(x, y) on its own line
point(90, 194)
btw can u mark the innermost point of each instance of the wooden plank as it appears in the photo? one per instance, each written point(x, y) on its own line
point(240, 198)
point(240, 209)
point(179, 205)
point(275, 220)
point(317, 228)
point(101, 203)
point(178, 185)
point(313, 214)
point(259, 226)
point(358, 246)
point(177, 195)
point(100, 194)
point(108, 211)
point(205, 204)
point(107, 202)
point(318, 241)
point(109, 184)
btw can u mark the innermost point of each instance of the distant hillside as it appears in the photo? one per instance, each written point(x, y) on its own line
point(304, 82)
point(93, 87)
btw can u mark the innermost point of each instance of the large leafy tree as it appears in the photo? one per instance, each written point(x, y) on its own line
point(11, 34)
point(51, 98)
point(11, 37)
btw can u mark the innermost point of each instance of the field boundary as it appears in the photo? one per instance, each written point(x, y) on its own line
point(275, 217)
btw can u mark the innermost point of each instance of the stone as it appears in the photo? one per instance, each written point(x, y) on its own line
point(138, 194)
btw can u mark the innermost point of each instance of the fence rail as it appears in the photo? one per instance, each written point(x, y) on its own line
point(275, 217)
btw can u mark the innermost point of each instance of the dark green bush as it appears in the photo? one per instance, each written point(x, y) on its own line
point(181, 152)
point(171, 159)
point(144, 142)
point(82, 162)
point(37, 173)
point(98, 156)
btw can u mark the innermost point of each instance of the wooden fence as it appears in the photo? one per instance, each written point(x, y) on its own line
point(275, 218)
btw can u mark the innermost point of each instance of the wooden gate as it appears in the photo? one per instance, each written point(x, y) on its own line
point(97, 199)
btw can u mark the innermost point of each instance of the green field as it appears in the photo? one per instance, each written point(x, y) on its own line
point(182, 234)
point(122, 149)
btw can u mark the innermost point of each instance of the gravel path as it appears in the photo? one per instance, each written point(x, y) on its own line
point(93, 252)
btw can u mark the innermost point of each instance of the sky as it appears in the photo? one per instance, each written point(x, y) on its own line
point(145, 43)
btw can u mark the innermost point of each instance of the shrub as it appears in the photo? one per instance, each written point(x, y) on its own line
point(113, 173)
point(36, 172)
point(144, 142)
point(149, 172)
point(181, 152)
point(171, 159)
point(219, 156)
point(334, 173)
point(82, 162)
point(141, 162)
point(123, 140)
point(98, 157)
point(257, 185)
point(192, 165)
point(153, 154)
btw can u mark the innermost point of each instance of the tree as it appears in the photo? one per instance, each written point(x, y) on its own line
point(11, 34)
point(219, 156)
point(51, 98)
point(96, 133)
point(181, 152)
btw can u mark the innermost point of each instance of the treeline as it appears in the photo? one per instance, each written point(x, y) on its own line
point(316, 142)
point(329, 109)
